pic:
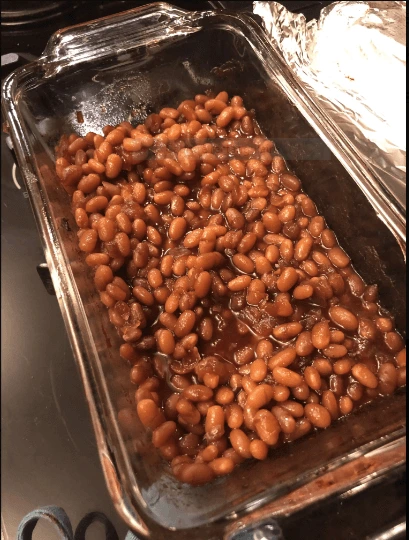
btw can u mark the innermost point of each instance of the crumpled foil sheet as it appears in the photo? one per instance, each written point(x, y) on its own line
point(352, 61)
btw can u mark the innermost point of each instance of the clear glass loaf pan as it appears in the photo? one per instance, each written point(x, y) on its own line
point(123, 67)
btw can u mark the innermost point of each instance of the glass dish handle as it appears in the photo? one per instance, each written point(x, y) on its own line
point(117, 34)
point(268, 529)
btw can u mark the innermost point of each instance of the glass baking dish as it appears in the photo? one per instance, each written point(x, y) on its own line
point(123, 67)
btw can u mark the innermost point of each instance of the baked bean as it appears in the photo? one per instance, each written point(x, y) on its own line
point(209, 453)
point(162, 434)
point(215, 106)
point(301, 392)
point(145, 138)
point(287, 214)
point(234, 416)
point(258, 370)
point(286, 377)
point(317, 415)
point(139, 192)
point(88, 240)
point(187, 159)
point(77, 144)
point(312, 378)
point(155, 278)
point(281, 393)
point(329, 401)
point(116, 292)
point(169, 112)
point(185, 323)
point(308, 207)
point(207, 261)
point(384, 324)
point(343, 317)
point(149, 414)
point(103, 276)
point(302, 292)
point(345, 405)
point(302, 248)
point(343, 366)
point(240, 443)
point(264, 349)
point(310, 268)
point(320, 335)
point(123, 222)
point(96, 204)
point(284, 332)
point(243, 263)
point(260, 396)
point(248, 384)
point(177, 228)
point(336, 336)
point(239, 283)
point(393, 341)
point(81, 218)
point(211, 380)
point(302, 427)
point(283, 306)
point(225, 117)
point(247, 243)
point(106, 229)
point(235, 218)
point(166, 341)
point(187, 411)
point(316, 226)
point(132, 145)
point(197, 392)
point(290, 181)
point(356, 284)
point(96, 259)
point(263, 266)
point(71, 174)
point(338, 257)
point(214, 425)
point(285, 419)
point(364, 375)
point(267, 427)
point(103, 151)
point(335, 351)
point(89, 183)
point(244, 356)
point(294, 408)
point(323, 366)
point(328, 238)
point(113, 166)
point(388, 378)
point(258, 449)
point(224, 396)
point(287, 279)
point(303, 345)
point(222, 466)
point(143, 296)
point(195, 473)
point(337, 283)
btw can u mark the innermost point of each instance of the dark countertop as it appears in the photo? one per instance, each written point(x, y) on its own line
point(49, 456)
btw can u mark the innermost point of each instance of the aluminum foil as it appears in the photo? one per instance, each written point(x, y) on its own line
point(352, 61)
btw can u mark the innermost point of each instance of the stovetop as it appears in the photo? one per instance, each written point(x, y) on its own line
point(49, 456)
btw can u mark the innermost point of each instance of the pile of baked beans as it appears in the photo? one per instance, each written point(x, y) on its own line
point(244, 324)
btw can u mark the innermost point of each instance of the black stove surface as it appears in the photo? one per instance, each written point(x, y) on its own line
point(49, 456)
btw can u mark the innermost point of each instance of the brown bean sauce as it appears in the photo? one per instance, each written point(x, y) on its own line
point(211, 259)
